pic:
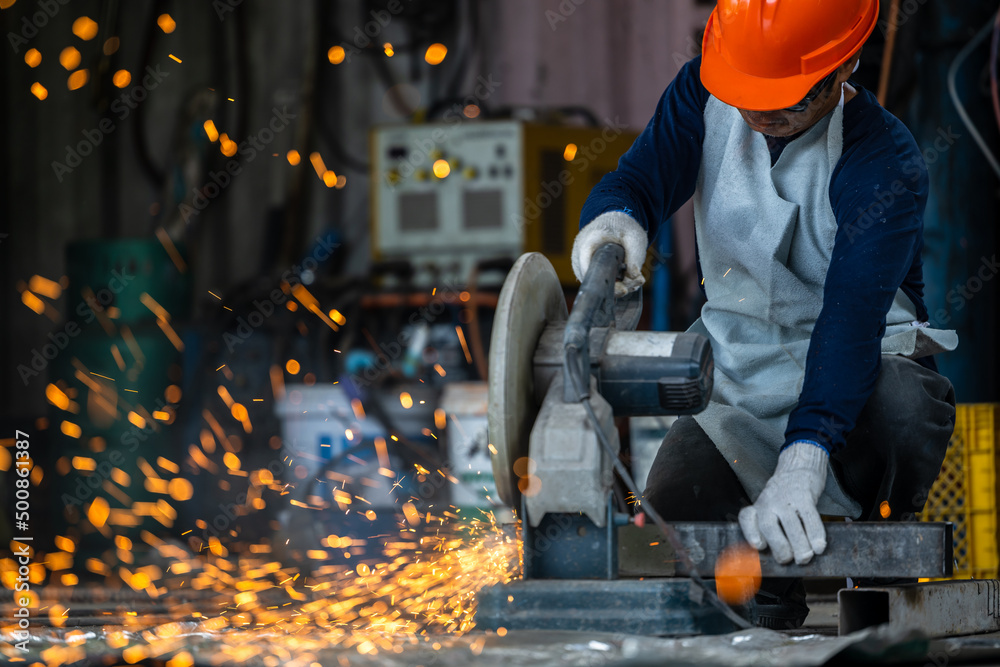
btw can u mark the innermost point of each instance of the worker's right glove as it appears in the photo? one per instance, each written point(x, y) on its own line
point(785, 515)
point(613, 227)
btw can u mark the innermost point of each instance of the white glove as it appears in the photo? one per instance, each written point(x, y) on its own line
point(613, 227)
point(785, 515)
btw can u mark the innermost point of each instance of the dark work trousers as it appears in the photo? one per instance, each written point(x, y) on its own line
point(892, 455)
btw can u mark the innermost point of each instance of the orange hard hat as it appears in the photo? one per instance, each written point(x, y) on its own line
point(763, 55)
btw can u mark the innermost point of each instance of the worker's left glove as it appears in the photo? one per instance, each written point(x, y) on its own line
point(785, 515)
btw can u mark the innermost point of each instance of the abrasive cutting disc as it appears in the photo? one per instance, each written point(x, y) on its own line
point(531, 299)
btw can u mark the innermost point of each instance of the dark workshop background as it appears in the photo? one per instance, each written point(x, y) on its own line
point(250, 65)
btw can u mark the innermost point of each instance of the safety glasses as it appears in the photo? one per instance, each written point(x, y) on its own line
point(813, 93)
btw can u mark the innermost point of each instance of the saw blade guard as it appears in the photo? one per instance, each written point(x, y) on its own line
point(531, 299)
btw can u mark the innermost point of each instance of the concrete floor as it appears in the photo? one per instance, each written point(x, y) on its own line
point(88, 640)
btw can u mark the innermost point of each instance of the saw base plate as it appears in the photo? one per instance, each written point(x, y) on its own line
point(649, 607)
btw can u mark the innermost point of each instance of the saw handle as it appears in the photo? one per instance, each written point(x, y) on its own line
point(594, 306)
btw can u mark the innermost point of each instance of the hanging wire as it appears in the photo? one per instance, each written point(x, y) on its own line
point(960, 59)
point(994, 52)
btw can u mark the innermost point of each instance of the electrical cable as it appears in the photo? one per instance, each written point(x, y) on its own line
point(573, 371)
point(111, 168)
point(154, 173)
point(960, 59)
point(475, 331)
point(242, 77)
point(291, 236)
point(188, 162)
point(887, 53)
point(468, 12)
point(328, 135)
point(994, 49)
point(389, 79)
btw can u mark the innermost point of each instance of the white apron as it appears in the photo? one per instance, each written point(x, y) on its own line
point(765, 238)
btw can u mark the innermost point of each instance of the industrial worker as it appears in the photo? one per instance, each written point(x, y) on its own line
point(808, 202)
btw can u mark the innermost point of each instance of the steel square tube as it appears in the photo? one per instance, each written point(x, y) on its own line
point(859, 549)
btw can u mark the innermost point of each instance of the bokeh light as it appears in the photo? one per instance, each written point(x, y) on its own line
point(121, 78)
point(33, 57)
point(85, 28)
point(78, 79)
point(166, 23)
point(436, 53)
point(336, 54)
point(69, 58)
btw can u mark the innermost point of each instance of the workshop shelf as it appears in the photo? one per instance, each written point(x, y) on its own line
point(966, 490)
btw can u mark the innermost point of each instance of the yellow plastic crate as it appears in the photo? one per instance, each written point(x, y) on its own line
point(966, 490)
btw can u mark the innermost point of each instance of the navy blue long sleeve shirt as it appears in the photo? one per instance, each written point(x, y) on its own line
point(878, 192)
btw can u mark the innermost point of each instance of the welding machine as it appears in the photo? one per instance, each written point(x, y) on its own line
point(446, 196)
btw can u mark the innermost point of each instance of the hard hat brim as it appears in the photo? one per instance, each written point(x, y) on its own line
point(745, 91)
